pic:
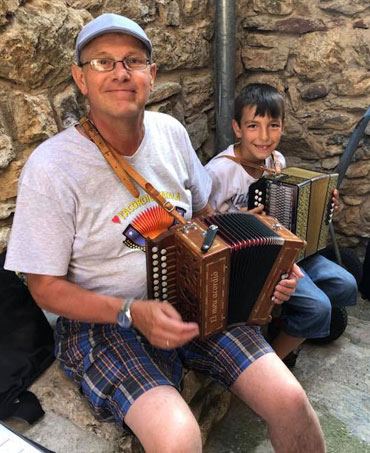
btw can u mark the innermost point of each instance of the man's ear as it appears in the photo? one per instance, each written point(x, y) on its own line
point(153, 73)
point(79, 78)
point(236, 128)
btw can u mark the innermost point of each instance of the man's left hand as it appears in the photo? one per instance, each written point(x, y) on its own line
point(286, 287)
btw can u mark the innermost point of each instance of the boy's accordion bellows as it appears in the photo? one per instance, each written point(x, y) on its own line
point(301, 200)
point(233, 282)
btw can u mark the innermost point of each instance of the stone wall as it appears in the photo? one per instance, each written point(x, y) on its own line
point(318, 53)
point(315, 51)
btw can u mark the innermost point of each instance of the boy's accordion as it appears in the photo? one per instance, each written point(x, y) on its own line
point(301, 200)
point(233, 282)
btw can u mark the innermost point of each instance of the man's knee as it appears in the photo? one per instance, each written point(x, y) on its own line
point(292, 402)
point(163, 422)
point(182, 435)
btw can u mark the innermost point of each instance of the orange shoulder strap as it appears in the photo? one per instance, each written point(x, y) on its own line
point(125, 171)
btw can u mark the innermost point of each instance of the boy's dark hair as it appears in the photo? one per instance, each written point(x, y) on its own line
point(265, 97)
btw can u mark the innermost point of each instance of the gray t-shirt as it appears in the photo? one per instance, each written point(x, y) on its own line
point(74, 217)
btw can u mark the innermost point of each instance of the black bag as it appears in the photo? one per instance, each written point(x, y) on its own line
point(26, 347)
point(365, 282)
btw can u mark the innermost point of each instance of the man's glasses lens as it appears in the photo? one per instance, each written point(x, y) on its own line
point(106, 64)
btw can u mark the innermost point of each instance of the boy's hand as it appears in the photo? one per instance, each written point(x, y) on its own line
point(286, 287)
point(335, 198)
point(257, 210)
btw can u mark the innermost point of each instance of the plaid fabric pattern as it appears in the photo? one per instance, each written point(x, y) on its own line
point(114, 366)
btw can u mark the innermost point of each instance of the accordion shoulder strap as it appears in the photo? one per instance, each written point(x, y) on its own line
point(125, 171)
point(245, 163)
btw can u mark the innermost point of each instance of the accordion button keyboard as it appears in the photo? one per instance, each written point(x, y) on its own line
point(155, 249)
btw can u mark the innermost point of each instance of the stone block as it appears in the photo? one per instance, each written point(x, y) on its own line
point(319, 54)
point(33, 117)
point(275, 7)
point(7, 152)
point(37, 46)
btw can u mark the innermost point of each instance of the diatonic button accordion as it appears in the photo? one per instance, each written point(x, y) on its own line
point(301, 200)
point(231, 283)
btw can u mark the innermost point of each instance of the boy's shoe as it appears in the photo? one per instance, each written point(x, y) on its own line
point(291, 358)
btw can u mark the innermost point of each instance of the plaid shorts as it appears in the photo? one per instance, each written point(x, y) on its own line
point(114, 366)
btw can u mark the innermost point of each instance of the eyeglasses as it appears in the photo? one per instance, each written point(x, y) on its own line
point(107, 64)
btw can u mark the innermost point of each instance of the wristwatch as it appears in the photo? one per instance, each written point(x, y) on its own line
point(124, 318)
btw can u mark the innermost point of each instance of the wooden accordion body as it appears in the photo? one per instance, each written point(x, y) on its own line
point(301, 200)
point(233, 281)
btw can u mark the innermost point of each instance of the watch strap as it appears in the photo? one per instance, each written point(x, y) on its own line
point(127, 303)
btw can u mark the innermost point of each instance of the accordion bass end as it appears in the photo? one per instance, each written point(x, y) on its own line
point(301, 200)
point(233, 282)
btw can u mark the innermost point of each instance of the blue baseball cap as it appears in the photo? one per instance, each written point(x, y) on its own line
point(110, 23)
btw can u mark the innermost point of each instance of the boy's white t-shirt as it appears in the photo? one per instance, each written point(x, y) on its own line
point(230, 182)
point(74, 217)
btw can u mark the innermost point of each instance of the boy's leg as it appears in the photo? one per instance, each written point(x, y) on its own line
point(271, 390)
point(306, 314)
point(284, 344)
point(163, 422)
point(335, 281)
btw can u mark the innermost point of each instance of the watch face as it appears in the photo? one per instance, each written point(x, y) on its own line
point(124, 319)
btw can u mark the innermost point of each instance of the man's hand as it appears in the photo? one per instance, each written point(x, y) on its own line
point(162, 325)
point(286, 287)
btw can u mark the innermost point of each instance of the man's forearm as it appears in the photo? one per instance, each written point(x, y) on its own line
point(57, 295)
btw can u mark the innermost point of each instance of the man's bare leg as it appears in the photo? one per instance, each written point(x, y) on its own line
point(271, 390)
point(164, 423)
point(283, 344)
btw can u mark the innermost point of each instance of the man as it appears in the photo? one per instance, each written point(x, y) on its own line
point(125, 352)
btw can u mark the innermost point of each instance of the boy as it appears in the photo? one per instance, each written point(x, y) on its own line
point(258, 125)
